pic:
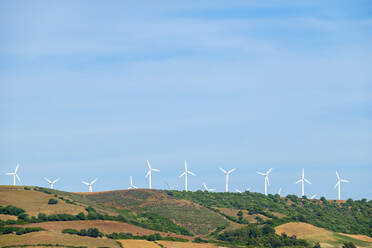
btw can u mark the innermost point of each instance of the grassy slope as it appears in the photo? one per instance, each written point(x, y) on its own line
point(185, 213)
point(325, 237)
point(185, 209)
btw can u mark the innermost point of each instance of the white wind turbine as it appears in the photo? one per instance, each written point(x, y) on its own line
point(314, 195)
point(266, 175)
point(238, 190)
point(90, 184)
point(206, 188)
point(338, 184)
point(227, 174)
point(150, 172)
point(185, 173)
point(15, 175)
point(131, 186)
point(248, 189)
point(170, 187)
point(51, 182)
point(303, 180)
point(279, 191)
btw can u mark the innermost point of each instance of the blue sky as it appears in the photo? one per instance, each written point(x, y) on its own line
point(93, 90)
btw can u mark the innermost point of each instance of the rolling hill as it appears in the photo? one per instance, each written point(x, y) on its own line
point(138, 218)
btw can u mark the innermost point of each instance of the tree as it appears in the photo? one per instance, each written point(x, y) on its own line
point(52, 201)
point(317, 245)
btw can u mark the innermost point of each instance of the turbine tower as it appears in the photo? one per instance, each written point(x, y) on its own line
point(227, 174)
point(15, 175)
point(90, 184)
point(206, 188)
point(51, 182)
point(131, 186)
point(185, 173)
point(338, 184)
point(303, 180)
point(150, 172)
point(266, 175)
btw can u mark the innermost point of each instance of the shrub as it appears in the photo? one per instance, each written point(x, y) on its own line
point(52, 201)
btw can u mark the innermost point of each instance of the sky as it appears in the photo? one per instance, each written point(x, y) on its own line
point(92, 89)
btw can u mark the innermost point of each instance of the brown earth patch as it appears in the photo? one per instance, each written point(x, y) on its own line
point(171, 244)
point(358, 236)
point(128, 243)
point(50, 237)
point(104, 226)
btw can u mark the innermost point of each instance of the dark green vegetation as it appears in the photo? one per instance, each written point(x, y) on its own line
point(18, 230)
point(352, 217)
point(260, 236)
point(349, 245)
point(91, 232)
point(52, 201)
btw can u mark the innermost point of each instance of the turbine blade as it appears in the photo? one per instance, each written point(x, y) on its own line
point(46, 179)
point(338, 182)
point(191, 173)
point(93, 181)
point(16, 169)
point(155, 170)
point(182, 174)
point(10, 173)
point(338, 176)
point(267, 179)
point(148, 173)
point(223, 170)
point(56, 180)
point(18, 178)
point(148, 164)
point(260, 173)
point(345, 181)
point(230, 171)
point(185, 165)
point(299, 181)
point(205, 186)
point(307, 181)
point(85, 183)
point(268, 172)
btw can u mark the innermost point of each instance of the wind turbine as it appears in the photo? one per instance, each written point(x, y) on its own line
point(15, 175)
point(338, 184)
point(248, 189)
point(185, 173)
point(206, 188)
point(279, 191)
point(90, 184)
point(227, 174)
point(51, 182)
point(169, 186)
point(303, 180)
point(313, 196)
point(266, 175)
point(131, 186)
point(150, 172)
point(237, 190)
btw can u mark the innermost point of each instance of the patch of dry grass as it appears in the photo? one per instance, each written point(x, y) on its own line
point(35, 202)
point(171, 244)
point(129, 243)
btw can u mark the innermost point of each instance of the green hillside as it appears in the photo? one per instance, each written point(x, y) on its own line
point(216, 219)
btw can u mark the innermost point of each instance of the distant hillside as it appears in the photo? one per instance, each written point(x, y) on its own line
point(35, 215)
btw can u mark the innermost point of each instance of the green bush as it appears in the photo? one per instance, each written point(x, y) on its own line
point(52, 201)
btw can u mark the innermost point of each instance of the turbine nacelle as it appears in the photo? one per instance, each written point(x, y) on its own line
point(90, 184)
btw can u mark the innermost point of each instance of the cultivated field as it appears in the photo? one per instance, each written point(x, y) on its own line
point(52, 237)
point(127, 243)
point(171, 244)
point(325, 237)
point(104, 226)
